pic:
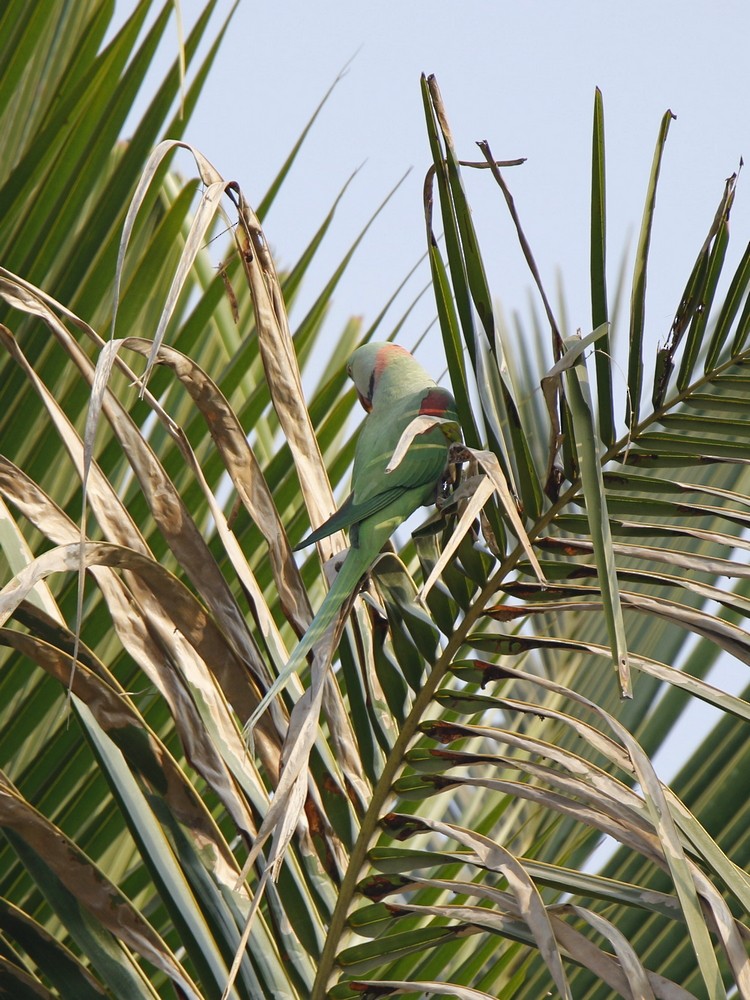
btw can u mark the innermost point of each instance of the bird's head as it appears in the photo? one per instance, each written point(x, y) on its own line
point(367, 365)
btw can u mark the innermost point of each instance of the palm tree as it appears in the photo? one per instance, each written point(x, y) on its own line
point(421, 818)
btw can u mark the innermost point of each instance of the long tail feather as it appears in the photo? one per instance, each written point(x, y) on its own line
point(353, 568)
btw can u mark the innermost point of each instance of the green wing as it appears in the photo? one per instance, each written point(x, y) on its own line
point(351, 513)
point(375, 490)
point(342, 518)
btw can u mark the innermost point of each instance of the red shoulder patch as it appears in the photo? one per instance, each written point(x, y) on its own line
point(436, 402)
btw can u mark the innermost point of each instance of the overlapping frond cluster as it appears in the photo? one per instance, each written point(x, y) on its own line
point(423, 816)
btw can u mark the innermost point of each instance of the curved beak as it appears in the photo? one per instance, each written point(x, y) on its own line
point(366, 403)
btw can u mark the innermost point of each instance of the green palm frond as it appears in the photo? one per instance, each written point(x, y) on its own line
point(424, 817)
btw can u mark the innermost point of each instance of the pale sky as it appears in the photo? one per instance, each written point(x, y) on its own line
point(520, 74)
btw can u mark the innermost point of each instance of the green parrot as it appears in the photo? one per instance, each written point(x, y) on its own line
point(394, 389)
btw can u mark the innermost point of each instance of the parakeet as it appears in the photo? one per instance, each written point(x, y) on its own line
point(394, 389)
